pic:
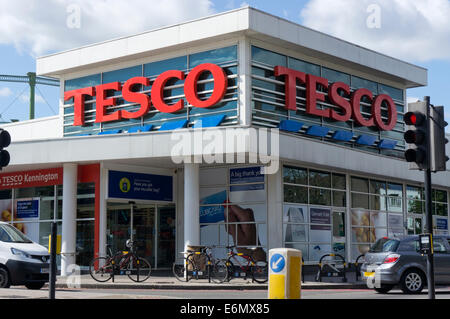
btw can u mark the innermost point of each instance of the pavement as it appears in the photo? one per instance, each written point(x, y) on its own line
point(163, 279)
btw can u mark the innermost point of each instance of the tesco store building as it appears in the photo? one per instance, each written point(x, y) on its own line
point(144, 131)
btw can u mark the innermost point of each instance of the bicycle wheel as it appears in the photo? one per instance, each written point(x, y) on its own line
point(138, 269)
point(230, 269)
point(183, 272)
point(101, 269)
point(260, 272)
point(219, 271)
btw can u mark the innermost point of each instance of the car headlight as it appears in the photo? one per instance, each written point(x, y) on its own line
point(20, 253)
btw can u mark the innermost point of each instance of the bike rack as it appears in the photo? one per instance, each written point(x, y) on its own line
point(329, 269)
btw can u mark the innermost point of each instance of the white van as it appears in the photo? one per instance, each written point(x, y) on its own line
point(22, 262)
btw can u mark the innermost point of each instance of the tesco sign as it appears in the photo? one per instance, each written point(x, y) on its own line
point(350, 109)
point(156, 97)
point(339, 94)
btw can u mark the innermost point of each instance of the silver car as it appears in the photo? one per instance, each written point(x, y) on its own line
point(397, 261)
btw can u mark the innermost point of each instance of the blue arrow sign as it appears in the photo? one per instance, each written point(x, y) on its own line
point(277, 262)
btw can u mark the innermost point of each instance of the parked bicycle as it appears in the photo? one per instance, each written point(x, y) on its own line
point(243, 265)
point(127, 263)
point(200, 264)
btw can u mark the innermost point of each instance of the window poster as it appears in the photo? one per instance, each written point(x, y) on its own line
point(234, 213)
point(26, 215)
point(294, 219)
point(320, 235)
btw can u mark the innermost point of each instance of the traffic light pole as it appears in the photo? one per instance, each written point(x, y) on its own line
point(429, 207)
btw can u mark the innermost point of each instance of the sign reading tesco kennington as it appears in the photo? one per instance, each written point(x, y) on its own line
point(339, 94)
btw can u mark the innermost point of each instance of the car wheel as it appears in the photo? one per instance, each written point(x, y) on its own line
point(35, 285)
point(384, 289)
point(4, 278)
point(412, 281)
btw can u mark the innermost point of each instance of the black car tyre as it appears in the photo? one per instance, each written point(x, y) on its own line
point(35, 285)
point(412, 281)
point(4, 278)
point(384, 289)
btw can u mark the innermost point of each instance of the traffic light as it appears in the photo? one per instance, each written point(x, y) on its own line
point(438, 139)
point(417, 135)
point(5, 140)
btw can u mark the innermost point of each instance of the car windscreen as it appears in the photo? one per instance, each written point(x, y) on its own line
point(10, 234)
point(384, 245)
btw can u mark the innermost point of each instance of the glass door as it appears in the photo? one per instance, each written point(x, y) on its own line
point(166, 235)
point(120, 219)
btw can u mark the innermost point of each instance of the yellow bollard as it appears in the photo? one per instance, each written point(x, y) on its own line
point(285, 273)
point(58, 244)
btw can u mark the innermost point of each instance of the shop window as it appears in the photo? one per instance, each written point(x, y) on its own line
point(217, 56)
point(156, 68)
point(318, 178)
point(79, 83)
point(377, 187)
point(358, 83)
point(85, 242)
point(360, 201)
point(396, 94)
point(339, 181)
point(303, 66)
point(46, 191)
point(268, 57)
point(339, 199)
point(295, 175)
point(360, 185)
point(122, 75)
point(335, 76)
point(6, 194)
point(295, 194)
point(320, 196)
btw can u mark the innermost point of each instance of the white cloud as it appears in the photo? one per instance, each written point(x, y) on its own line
point(5, 92)
point(25, 98)
point(413, 30)
point(42, 26)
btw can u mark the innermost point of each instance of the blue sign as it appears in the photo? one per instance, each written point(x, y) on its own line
point(246, 175)
point(28, 208)
point(140, 186)
point(277, 262)
point(441, 223)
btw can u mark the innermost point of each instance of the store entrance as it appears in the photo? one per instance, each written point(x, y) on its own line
point(153, 229)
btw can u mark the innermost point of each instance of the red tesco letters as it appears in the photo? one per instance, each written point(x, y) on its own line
point(144, 100)
point(349, 104)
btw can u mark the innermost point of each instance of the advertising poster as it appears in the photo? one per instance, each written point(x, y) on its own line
point(320, 232)
point(235, 215)
point(293, 218)
point(26, 217)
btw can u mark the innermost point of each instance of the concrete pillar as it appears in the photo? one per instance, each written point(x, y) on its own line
point(69, 215)
point(191, 204)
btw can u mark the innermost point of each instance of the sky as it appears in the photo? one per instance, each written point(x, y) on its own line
point(416, 31)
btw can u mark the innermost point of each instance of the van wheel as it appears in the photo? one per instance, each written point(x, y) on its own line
point(4, 278)
point(412, 281)
point(35, 285)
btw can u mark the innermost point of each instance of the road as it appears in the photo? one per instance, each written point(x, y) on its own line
point(22, 292)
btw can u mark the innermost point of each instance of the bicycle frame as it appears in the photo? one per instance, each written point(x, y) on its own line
point(244, 267)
